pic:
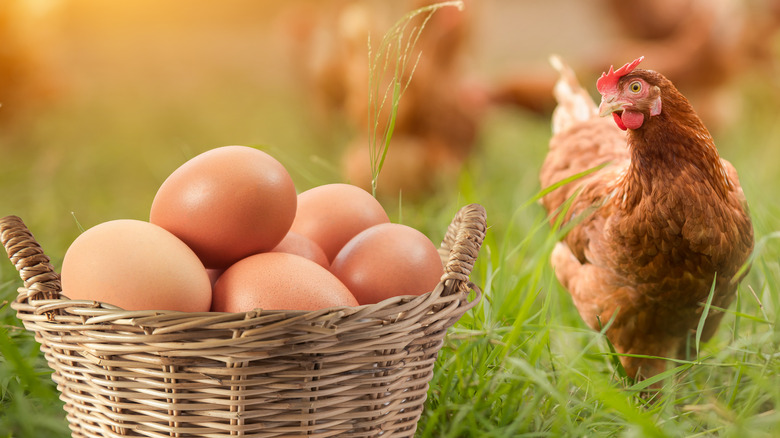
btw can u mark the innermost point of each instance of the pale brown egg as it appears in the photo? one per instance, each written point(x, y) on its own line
point(278, 281)
point(135, 265)
point(332, 214)
point(227, 203)
point(388, 260)
point(298, 244)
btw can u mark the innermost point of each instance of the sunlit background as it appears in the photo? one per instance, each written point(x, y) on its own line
point(102, 100)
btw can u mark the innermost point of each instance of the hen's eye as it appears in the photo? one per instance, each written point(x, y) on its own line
point(635, 87)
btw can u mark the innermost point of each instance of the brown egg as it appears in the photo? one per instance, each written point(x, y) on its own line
point(278, 281)
point(332, 214)
point(137, 266)
point(227, 203)
point(298, 244)
point(388, 260)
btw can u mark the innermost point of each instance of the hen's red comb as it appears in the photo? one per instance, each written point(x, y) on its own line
point(609, 80)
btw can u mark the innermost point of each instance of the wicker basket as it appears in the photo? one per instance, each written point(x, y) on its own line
point(346, 371)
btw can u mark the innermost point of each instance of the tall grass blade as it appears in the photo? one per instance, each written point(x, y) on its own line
point(660, 377)
point(396, 50)
point(704, 314)
point(542, 193)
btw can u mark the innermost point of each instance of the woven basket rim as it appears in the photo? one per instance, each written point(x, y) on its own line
point(460, 246)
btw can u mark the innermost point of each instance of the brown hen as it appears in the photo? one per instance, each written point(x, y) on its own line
point(655, 227)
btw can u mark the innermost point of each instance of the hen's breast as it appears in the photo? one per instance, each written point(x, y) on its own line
point(676, 235)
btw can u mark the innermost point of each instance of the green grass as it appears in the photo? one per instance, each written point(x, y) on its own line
point(521, 363)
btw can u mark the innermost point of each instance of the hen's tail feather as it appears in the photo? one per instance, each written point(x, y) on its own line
point(574, 102)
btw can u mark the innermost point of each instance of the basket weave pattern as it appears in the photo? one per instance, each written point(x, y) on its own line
point(344, 371)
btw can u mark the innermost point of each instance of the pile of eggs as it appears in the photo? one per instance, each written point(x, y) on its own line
point(227, 232)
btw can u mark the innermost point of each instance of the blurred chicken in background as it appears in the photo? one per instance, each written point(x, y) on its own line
point(438, 116)
point(704, 47)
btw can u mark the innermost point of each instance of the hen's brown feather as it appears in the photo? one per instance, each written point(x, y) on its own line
point(656, 227)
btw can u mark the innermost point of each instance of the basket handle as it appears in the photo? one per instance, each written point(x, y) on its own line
point(26, 254)
point(461, 245)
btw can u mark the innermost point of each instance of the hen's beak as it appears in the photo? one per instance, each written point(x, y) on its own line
point(609, 105)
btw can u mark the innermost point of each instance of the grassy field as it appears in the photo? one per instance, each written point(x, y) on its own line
point(521, 363)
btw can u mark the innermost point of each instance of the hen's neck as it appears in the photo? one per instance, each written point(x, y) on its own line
point(668, 145)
